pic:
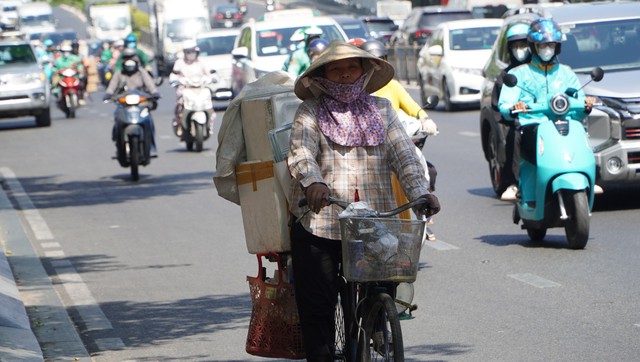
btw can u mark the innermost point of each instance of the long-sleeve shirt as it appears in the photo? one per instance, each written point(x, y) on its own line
point(536, 84)
point(140, 80)
point(315, 158)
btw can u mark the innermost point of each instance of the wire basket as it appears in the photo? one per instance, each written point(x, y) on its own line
point(381, 249)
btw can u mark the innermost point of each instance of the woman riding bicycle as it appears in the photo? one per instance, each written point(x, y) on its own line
point(345, 143)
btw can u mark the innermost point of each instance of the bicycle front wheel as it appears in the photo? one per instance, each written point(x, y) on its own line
point(382, 331)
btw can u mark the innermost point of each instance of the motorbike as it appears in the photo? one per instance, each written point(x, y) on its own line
point(557, 168)
point(133, 129)
point(70, 87)
point(195, 119)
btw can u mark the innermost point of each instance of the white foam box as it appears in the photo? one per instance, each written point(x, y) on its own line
point(264, 208)
point(260, 115)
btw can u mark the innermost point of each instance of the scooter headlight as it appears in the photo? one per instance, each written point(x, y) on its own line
point(560, 104)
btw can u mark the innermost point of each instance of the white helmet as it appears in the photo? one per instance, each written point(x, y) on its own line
point(65, 48)
point(190, 45)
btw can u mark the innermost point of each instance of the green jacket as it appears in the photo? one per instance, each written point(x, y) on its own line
point(66, 62)
point(144, 61)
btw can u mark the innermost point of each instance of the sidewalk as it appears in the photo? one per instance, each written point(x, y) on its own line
point(50, 335)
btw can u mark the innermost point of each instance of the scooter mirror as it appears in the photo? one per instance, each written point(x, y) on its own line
point(432, 102)
point(597, 74)
point(510, 80)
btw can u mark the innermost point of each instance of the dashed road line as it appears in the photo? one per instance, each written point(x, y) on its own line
point(536, 281)
point(469, 134)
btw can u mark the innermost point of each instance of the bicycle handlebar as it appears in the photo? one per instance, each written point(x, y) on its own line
point(344, 204)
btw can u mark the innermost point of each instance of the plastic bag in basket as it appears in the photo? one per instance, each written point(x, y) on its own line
point(274, 329)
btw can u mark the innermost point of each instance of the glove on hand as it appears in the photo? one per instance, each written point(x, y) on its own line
point(107, 97)
point(431, 207)
point(317, 194)
point(429, 126)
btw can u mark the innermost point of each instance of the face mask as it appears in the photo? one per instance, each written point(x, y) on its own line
point(190, 57)
point(520, 53)
point(546, 53)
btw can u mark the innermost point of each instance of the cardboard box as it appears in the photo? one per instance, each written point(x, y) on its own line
point(265, 213)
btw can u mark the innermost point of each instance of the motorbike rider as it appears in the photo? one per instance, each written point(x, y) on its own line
point(299, 61)
point(543, 76)
point(132, 77)
point(401, 100)
point(316, 46)
point(131, 42)
point(187, 67)
point(66, 60)
point(519, 53)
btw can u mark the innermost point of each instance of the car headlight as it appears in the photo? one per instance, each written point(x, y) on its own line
point(472, 71)
point(33, 77)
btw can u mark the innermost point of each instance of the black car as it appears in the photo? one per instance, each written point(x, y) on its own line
point(610, 41)
point(422, 20)
point(227, 16)
point(352, 26)
point(380, 28)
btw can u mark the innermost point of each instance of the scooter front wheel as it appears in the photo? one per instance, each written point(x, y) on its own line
point(577, 225)
point(536, 234)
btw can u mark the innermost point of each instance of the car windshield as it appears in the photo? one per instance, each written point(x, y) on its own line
point(277, 41)
point(473, 38)
point(216, 45)
point(16, 54)
point(113, 23)
point(231, 9)
point(57, 38)
point(354, 30)
point(434, 19)
point(378, 26)
point(185, 29)
point(611, 45)
point(35, 20)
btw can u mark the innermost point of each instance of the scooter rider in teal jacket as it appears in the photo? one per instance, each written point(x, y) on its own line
point(543, 77)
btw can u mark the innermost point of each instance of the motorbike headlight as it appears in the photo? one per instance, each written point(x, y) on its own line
point(132, 99)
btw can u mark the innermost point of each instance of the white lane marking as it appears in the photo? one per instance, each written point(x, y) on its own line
point(109, 344)
point(50, 245)
point(81, 297)
point(39, 227)
point(469, 134)
point(536, 281)
point(54, 254)
point(440, 245)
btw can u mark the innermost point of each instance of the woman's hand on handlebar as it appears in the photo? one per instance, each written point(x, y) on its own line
point(317, 195)
point(519, 107)
point(588, 103)
point(430, 207)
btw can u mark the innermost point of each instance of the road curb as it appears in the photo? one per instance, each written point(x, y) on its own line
point(30, 296)
point(17, 340)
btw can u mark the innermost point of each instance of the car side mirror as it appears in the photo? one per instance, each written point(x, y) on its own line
point(435, 50)
point(240, 53)
point(394, 27)
point(212, 71)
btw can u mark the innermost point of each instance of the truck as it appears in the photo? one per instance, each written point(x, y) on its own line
point(109, 21)
point(397, 10)
point(35, 18)
point(172, 22)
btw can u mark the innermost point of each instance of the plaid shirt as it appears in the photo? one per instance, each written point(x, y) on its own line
point(315, 158)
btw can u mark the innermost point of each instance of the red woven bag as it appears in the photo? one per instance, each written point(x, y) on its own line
point(274, 330)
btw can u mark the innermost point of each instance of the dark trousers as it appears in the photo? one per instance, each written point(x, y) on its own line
point(511, 169)
point(316, 282)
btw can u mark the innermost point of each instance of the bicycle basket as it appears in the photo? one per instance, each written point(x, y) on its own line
point(381, 249)
point(274, 329)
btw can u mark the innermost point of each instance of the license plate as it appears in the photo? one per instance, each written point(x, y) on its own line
point(228, 23)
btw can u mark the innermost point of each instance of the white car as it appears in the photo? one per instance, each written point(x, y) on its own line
point(263, 46)
point(215, 50)
point(450, 63)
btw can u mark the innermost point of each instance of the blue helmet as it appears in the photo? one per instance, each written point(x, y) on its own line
point(518, 31)
point(544, 30)
point(130, 41)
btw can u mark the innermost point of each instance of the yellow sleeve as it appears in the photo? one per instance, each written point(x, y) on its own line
point(404, 99)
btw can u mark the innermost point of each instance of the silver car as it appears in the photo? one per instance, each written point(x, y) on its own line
point(24, 90)
point(597, 34)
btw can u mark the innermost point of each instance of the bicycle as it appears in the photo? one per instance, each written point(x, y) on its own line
point(378, 253)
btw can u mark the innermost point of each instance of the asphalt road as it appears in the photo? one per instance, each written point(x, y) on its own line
point(156, 270)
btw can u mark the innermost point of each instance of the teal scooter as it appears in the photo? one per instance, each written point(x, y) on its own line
point(557, 168)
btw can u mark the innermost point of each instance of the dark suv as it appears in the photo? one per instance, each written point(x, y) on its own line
point(422, 20)
point(380, 28)
point(611, 41)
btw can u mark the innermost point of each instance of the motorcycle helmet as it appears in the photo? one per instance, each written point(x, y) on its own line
point(316, 46)
point(65, 49)
point(375, 48)
point(518, 33)
point(130, 66)
point(129, 53)
point(131, 41)
point(48, 43)
point(190, 50)
point(545, 31)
